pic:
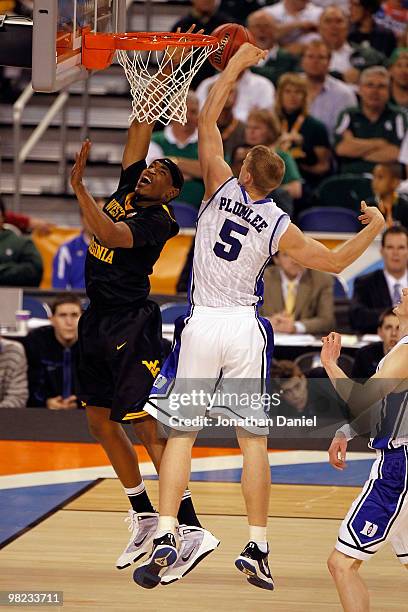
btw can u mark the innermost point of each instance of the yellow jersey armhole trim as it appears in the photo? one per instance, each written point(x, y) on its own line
point(166, 208)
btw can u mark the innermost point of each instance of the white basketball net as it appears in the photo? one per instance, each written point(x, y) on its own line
point(155, 93)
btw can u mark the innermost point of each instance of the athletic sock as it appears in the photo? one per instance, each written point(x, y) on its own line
point(139, 498)
point(258, 535)
point(167, 524)
point(186, 514)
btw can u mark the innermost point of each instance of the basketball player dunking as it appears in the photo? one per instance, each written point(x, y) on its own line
point(120, 332)
point(380, 512)
point(238, 230)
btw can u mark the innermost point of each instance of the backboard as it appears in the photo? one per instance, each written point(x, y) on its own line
point(58, 26)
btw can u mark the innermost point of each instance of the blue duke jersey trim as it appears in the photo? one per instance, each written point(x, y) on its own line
point(236, 237)
point(392, 427)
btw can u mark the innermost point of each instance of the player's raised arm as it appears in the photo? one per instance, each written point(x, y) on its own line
point(313, 254)
point(210, 147)
point(364, 400)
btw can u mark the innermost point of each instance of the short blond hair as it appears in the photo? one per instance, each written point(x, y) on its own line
point(266, 168)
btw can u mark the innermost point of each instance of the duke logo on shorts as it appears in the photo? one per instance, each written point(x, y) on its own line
point(222, 339)
point(380, 512)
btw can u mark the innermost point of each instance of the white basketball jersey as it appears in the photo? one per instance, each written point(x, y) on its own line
point(235, 239)
point(392, 429)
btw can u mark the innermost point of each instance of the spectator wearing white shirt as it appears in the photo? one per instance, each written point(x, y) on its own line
point(265, 30)
point(253, 91)
point(298, 21)
point(334, 28)
point(327, 96)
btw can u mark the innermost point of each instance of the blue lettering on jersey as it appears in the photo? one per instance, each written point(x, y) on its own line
point(244, 212)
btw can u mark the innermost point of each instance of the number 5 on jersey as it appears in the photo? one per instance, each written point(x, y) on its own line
point(235, 246)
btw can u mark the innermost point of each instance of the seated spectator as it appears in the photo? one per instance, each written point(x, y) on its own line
point(280, 195)
point(68, 266)
point(385, 183)
point(327, 96)
point(205, 16)
point(297, 300)
point(347, 60)
point(232, 129)
point(372, 132)
point(333, 29)
point(20, 261)
point(398, 69)
point(368, 357)
point(306, 397)
point(13, 375)
point(263, 127)
point(253, 91)
point(298, 22)
point(27, 224)
point(180, 143)
point(393, 15)
point(381, 289)
point(364, 29)
point(303, 136)
point(265, 30)
point(52, 353)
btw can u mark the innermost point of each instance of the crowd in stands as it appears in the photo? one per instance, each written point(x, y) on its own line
point(331, 98)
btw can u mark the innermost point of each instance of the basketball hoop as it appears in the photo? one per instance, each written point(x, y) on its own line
point(159, 67)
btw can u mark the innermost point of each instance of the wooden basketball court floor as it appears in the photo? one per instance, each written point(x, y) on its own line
point(74, 550)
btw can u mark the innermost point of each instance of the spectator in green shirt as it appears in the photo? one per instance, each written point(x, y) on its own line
point(180, 143)
point(20, 262)
point(263, 127)
point(372, 132)
point(265, 29)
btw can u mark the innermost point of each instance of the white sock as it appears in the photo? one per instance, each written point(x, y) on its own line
point(258, 535)
point(135, 490)
point(167, 524)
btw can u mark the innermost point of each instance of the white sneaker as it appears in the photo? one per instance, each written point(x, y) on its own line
point(143, 526)
point(195, 544)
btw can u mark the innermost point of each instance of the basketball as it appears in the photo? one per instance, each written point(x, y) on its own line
point(231, 36)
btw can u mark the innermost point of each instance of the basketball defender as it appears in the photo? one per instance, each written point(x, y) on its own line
point(380, 512)
point(238, 230)
point(120, 332)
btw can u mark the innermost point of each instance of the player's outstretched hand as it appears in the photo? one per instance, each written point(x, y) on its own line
point(78, 170)
point(371, 214)
point(331, 348)
point(337, 452)
point(247, 55)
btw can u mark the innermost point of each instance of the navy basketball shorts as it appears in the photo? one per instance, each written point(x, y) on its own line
point(217, 368)
point(380, 513)
point(119, 358)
